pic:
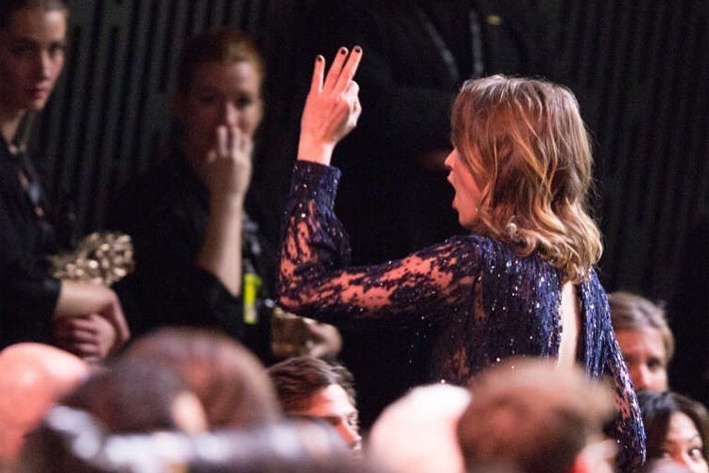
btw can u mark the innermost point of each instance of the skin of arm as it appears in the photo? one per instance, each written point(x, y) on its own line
point(226, 172)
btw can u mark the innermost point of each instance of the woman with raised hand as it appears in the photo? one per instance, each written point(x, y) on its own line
point(521, 283)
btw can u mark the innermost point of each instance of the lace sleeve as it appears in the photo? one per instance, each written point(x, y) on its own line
point(627, 427)
point(314, 280)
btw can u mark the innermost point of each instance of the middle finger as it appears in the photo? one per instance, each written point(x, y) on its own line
point(350, 68)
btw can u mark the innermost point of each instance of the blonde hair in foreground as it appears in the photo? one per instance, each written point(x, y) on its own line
point(535, 165)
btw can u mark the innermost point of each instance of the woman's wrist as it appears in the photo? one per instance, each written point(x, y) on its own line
point(315, 151)
point(228, 202)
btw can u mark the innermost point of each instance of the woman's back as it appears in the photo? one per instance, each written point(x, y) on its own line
point(570, 321)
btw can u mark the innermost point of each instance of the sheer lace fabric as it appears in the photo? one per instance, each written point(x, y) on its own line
point(475, 299)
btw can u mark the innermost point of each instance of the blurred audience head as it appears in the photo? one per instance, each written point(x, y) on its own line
point(310, 387)
point(417, 433)
point(72, 440)
point(536, 417)
point(294, 446)
point(133, 396)
point(32, 377)
point(645, 339)
point(228, 379)
point(677, 429)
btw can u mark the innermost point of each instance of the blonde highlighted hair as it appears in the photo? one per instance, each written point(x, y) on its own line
point(525, 141)
point(633, 312)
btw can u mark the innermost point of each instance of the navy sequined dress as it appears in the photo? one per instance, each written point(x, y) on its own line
point(475, 299)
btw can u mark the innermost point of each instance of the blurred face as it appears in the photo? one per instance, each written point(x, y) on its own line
point(332, 405)
point(644, 354)
point(31, 58)
point(221, 94)
point(467, 190)
point(683, 444)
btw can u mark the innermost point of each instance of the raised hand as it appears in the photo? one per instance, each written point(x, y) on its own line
point(226, 173)
point(227, 169)
point(332, 107)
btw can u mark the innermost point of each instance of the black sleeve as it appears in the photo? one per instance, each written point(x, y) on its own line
point(28, 296)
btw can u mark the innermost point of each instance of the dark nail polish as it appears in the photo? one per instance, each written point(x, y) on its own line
point(319, 58)
point(343, 50)
point(357, 49)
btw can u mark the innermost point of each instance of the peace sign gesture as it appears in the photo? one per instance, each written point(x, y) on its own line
point(332, 107)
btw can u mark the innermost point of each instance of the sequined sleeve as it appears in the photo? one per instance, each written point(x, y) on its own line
point(603, 359)
point(628, 426)
point(314, 279)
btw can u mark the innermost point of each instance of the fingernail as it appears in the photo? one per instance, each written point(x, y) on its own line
point(357, 49)
point(319, 58)
point(343, 50)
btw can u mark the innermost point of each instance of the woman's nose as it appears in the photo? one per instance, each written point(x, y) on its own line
point(43, 64)
point(448, 163)
point(230, 115)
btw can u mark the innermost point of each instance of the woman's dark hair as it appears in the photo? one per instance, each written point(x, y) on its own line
point(657, 410)
point(8, 7)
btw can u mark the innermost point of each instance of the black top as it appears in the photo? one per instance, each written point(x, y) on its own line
point(28, 295)
point(166, 211)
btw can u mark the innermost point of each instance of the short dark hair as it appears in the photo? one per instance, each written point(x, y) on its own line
point(298, 378)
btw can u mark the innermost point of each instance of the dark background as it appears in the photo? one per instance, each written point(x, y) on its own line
point(639, 68)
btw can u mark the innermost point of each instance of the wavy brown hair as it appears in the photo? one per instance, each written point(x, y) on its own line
point(525, 140)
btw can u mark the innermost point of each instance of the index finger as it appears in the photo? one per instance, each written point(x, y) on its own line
point(350, 68)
